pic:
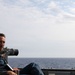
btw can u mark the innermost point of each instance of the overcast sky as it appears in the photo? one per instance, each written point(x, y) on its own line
point(39, 28)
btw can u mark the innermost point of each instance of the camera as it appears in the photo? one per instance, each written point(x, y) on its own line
point(10, 51)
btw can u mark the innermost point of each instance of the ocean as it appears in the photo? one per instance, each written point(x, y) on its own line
point(44, 63)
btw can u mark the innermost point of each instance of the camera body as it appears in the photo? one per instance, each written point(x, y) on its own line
point(11, 51)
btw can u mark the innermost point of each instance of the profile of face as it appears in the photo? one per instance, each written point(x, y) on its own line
point(2, 42)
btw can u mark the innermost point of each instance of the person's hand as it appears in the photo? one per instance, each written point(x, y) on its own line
point(3, 55)
point(16, 70)
point(11, 73)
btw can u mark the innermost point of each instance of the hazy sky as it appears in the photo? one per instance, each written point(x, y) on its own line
point(39, 28)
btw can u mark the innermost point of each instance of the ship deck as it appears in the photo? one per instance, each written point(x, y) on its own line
point(59, 71)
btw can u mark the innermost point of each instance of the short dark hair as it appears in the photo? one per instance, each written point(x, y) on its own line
point(1, 34)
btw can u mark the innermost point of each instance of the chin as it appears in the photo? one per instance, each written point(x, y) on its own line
point(1, 49)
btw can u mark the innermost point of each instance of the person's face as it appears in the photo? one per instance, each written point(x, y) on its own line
point(2, 42)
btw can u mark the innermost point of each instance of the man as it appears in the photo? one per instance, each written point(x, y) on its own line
point(31, 69)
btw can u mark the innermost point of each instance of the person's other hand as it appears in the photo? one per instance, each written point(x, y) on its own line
point(16, 70)
point(11, 73)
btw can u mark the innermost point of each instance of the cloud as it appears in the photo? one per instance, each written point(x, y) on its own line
point(32, 17)
point(22, 16)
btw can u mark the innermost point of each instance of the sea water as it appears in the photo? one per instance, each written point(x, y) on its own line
point(44, 63)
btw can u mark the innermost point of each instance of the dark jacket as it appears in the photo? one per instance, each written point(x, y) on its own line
point(2, 66)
